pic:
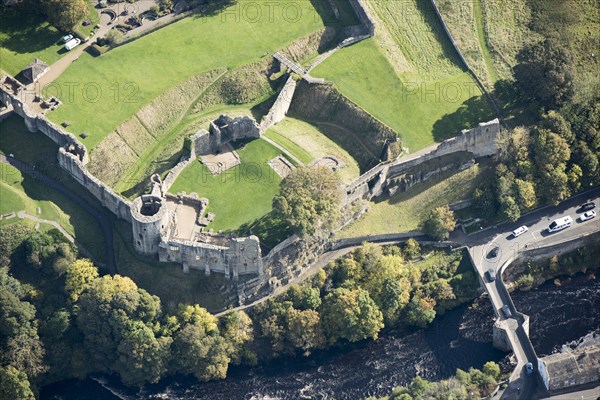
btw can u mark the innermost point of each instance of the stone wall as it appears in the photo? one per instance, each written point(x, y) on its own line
point(232, 256)
point(281, 106)
point(364, 30)
point(224, 130)
point(479, 142)
point(352, 128)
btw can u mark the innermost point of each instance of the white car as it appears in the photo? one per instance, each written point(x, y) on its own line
point(520, 230)
point(71, 44)
point(66, 38)
point(588, 215)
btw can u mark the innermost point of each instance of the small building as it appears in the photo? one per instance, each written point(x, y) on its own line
point(571, 367)
point(35, 70)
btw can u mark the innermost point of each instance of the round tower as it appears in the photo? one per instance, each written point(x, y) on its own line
point(149, 220)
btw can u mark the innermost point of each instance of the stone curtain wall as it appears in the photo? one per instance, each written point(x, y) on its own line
point(358, 132)
point(356, 33)
point(480, 142)
point(72, 155)
point(281, 106)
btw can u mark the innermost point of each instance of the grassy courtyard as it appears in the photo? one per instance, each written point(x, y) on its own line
point(408, 77)
point(404, 211)
point(111, 88)
point(22, 39)
point(307, 143)
point(240, 195)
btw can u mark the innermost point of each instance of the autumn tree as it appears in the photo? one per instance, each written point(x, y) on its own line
point(309, 200)
point(80, 274)
point(65, 14)
point(439, 223)
point(236, 328)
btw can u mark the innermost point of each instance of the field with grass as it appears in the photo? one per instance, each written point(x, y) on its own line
point(22, 192)
point(22, 39)
point(404, 211)
point(307, 143)
point(240, 195)
point(408, 76)
point(113, 87)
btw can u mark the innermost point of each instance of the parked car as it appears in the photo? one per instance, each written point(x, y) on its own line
point(66, 38)
point(588, 206)
point(491, 275)
point(494, 252)
point(506, 311)
point(71, 44)
point(529, 368)
point(587, 216)
point(519, 231)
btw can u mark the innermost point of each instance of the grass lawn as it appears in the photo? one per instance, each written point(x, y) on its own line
point(307, 143)
point(420, 111)
point(22, 39)
point(404, 211)
point(20, 191)
point(128, 77)
point(240, 195)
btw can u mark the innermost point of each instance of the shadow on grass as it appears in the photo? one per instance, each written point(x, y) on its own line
point(214, 8)
point(24, 32)
point(468, 115)
point(270, 229)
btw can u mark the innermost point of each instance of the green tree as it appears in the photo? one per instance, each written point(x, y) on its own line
point(14, 384)
point(65, 14)
point(420, 311)
point(236, 328)
point(545, 73)
point(492, 369)
point(412, 248)
point(351, 315)
point(309, 200)
point(80, 274)
point(439, 223)
point(304, 297)
point(304, 330)
point(393, 297)
point(525, 194)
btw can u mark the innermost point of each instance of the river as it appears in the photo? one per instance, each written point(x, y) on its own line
point(459, 339)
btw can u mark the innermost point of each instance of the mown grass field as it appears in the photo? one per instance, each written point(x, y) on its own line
point(111, 88)
point(240, 195)
point(421, 111)
point(22, 39)
point(22, 192)
point(404, 211)
point(307, 143)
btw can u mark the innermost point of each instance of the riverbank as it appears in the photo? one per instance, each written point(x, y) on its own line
point(459, 339)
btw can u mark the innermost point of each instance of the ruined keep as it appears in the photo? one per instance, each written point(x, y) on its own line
point(224, 130)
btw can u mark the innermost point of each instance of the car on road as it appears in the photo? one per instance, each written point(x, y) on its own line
point(71, 44)
point(491, 275)
point(560, 224)
point(529, 368)
point(494, 252)
point(506, 311)
point(519, 231)
point(66, 38)
point(588, 206)
point(587, 216)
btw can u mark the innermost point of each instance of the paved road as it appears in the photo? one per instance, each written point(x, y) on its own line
point(509, 248)
point(102, 220)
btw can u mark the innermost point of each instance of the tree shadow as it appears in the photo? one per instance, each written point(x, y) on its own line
point(270, 229)
point(469, 114)
point(212, 8)
point(515, 109)
point(23, 32)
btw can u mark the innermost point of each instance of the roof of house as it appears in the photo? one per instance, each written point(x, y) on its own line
point(577, 365)
point(34, 70)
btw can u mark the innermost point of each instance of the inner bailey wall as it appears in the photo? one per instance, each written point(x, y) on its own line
point(224, 130)
point(281, 106)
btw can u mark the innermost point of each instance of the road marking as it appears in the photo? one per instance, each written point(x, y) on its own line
point(533, 234)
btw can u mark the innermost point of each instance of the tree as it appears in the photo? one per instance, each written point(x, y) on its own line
point(114, 36)
point(420, 311)
point(304, 297)
point(351, 315)
point(309, 200)
point(80, 274)
point(525, 194)
point(509, 209)
point(545, 73)
point(439, 223)
point(394, 296)
point(304, 330)
point(492, 369)
point(65, 14)
point(14, 384)
point(236, 328)
point(412, 248)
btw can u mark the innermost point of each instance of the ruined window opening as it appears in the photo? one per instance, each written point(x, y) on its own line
point(174, 248)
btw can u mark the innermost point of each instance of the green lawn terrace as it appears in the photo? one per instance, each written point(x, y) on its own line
point(109, 89)
point(408, 76)
point(25, 38)
point(308, 145)
point(239, 196)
